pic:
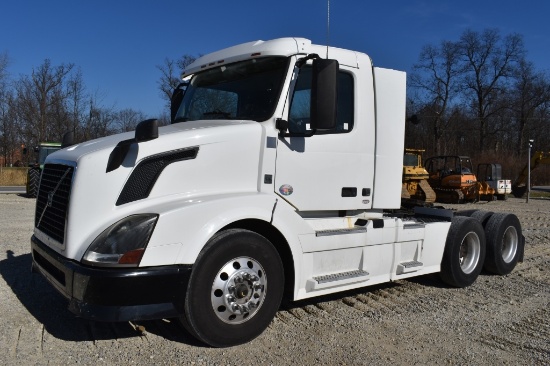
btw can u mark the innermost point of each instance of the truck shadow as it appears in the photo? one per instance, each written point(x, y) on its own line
point(50, 309)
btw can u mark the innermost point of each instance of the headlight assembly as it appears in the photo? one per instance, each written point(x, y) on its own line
point(123, 243)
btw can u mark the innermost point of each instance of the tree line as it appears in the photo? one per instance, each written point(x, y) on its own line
point(479, 96)
point(47, 103)
point(53, 100)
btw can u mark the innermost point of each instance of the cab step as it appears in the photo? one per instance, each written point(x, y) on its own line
point(338, 279)
point(410, 266)
point(343, 231)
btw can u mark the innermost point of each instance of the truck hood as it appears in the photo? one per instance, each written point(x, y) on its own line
point(225, 160)
point(186, 131)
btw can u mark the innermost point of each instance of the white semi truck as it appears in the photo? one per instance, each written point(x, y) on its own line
point(279, 176)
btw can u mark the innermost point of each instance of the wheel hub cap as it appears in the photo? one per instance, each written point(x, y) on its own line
point(238, 290)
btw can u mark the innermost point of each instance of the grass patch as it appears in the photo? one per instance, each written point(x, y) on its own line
point(13, 176)
point(539, 194)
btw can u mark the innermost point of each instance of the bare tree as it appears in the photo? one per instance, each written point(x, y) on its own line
point(6, 147)
point(76, 103)
point(41, 100)
point(436, 75)
point(530, 96)
point(489, 64)
point(127, 119)
point(170, 78)
point(100, 121)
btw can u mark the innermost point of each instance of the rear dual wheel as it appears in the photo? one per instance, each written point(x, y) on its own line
point(234, 290)
point(504, 239)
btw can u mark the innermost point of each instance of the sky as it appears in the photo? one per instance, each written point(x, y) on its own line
point(118, 44)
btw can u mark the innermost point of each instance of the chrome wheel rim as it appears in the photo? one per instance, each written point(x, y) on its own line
point(239, 290)
point(509, 244)
point(470, 251)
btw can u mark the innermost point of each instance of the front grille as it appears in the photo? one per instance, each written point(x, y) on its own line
point(52, 201)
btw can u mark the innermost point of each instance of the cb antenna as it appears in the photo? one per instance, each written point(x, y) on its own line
point(328, 24)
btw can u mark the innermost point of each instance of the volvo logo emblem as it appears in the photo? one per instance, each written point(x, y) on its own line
point(50, 198)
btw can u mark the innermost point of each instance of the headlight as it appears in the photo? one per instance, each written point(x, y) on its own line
point(123, 243)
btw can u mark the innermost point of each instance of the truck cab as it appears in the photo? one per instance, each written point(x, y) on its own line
point(279, 176)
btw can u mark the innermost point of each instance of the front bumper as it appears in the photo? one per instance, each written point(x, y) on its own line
point(114, 294)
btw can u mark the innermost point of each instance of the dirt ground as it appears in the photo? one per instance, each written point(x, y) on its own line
point(500, 320)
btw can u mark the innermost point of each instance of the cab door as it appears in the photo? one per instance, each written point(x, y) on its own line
point(325, 170)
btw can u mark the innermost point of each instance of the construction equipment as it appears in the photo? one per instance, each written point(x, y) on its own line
point(491, 174)
point(35, 168)
point(453, 180)
point(519, 187)
point(415, 190)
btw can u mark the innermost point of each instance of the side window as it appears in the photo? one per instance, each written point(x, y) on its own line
point(298, 117)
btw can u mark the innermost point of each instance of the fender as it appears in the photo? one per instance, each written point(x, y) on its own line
point(184, 228)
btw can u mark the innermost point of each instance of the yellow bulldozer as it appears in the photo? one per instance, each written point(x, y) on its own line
point(415, 189)
point(519, 187)
point(453, 180)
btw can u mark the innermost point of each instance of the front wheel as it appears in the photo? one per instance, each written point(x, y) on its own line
point(234, 290)
point(464, 252)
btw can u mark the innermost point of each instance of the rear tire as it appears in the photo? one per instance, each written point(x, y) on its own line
point(482, 216)
point(234, 290)
point(503, 232)
point(465, 212)
point(464, 252)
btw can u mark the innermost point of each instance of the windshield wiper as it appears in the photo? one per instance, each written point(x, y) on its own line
point(181, 119)
point(217, 112)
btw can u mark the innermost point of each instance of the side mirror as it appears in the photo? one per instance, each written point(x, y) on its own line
point(68, 139)
point(147, 130)
point(324, 94)
point(176, 99)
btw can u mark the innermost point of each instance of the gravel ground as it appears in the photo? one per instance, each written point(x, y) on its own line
point(500, 320)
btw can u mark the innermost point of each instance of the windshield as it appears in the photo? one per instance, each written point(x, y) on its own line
point(410, 160)
point(243, 90)
point(45, 151)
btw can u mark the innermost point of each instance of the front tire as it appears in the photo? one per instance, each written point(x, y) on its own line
point(234, 290)
point(464, 252)
point(503, 232)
